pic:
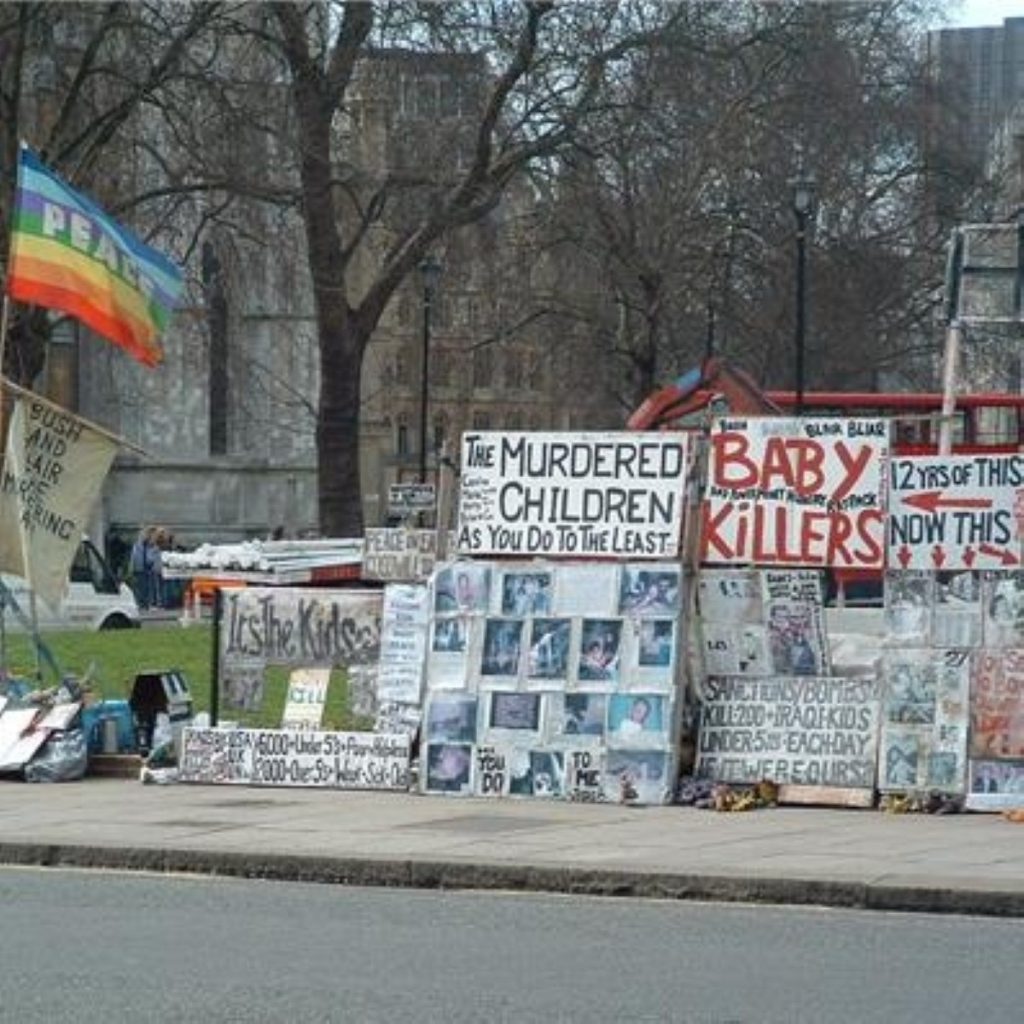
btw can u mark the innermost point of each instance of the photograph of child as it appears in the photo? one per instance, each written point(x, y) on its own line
point(908, 601)
point(448, 768)
point(462, 587)
point(649, 592)
point(548, 656)
point(452, 718)
point(793, 639)
point(539, 773)
point(657, 638)
point(901, 763)
point(502, 646)
point(600, 640)
point(583, 714)
point(450, 635)
point(1004, 612)
point(526, 593)
point(517, 711)
point(636, 719)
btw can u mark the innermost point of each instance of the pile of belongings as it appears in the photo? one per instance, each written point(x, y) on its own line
point(41, 734)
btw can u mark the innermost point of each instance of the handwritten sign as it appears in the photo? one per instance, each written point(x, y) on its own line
point(272, 757)
point(403, 644)
point(307, 695)
point(399, 555)
point(795, 492)
point(597, 494)
point(294, 626)
point(956, 512)
point(802, 732)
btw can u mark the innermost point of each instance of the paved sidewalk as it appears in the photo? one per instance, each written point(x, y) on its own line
point(966, 863)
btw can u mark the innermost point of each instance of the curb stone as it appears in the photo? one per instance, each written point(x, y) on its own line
point(422, 874)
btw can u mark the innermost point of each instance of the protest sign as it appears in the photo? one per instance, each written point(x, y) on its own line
point(955, 512)
point(796, 492)
point(924, 721)
point(403, 643)
point(272, 757)
point(584, 776)
point(294, 626)
point(997, 705)
point(587, 494)
point(818, 732)
point(996, 786)
point(404, 499)
point(242, 686)
point(399, 555)
point(306, 698)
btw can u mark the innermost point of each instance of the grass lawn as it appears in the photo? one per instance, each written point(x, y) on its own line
point(111, 660)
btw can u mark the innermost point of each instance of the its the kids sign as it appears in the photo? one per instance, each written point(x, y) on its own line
point(587, 494)
point(798, 492)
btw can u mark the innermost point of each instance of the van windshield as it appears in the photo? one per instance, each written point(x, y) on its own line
point(89, 567)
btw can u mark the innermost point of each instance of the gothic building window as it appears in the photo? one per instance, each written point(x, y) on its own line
point(483, 368)
point(481, 420)
point(402, 436)
point(440, 431)
point(513, 370)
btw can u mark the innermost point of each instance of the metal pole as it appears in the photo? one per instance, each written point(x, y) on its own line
point(218, 611)
point(949, 369)
point(424, 382)
point(801, 270)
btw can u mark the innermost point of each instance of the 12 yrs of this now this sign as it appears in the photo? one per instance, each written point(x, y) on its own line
point(956, 512)
point(796, 492)
point(585, 494)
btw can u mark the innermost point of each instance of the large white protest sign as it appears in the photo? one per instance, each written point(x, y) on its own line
point(588, 494)
point(273, 757)
point(818, 732)
point(53, 472)
point(956, 512)
point(796, 492)
point(399, 554)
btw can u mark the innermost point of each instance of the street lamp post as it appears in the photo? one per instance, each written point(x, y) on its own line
point(430, 271)
point(803, 206)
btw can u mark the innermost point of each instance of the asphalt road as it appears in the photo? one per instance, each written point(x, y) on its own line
point(92, 946)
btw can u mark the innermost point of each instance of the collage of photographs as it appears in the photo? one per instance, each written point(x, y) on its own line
point(950, 720)
point(530, 663)
point(759, 622)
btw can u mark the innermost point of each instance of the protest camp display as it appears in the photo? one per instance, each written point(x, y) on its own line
point(997, 730)
point(580, 495)
point(298, 628)
point(534, 691)
point(795, 492)
point(923, 744)
point(289, 757)
point(762, 622)
point(399, 555)
point(815, 737)
point(955, 512)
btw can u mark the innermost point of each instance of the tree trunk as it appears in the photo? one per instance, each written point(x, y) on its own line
point(337, 430)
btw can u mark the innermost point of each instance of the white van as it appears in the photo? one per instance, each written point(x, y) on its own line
point(94, 599)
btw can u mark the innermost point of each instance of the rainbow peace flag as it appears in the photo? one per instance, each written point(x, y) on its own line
point(67, 254)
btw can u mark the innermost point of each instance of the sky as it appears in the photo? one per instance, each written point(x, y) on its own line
point(984, 12)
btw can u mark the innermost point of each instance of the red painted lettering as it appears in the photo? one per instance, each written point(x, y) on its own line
point(732, 468)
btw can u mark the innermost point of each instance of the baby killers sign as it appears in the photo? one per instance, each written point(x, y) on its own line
point(796, 492)
point(607, 494)
point(956, 512)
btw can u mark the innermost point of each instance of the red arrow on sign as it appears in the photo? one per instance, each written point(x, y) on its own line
point(904, 556)
point(1006, 557)
point(932, 501)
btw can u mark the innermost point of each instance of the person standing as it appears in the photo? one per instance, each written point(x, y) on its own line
point(139, 563)
point(158, 541)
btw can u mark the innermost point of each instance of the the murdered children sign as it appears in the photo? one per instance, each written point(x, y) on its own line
point(956, 512)
point(796, 492)
point(997, 730)
point(817, 732)
point(588, 494)
point(273, 757)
